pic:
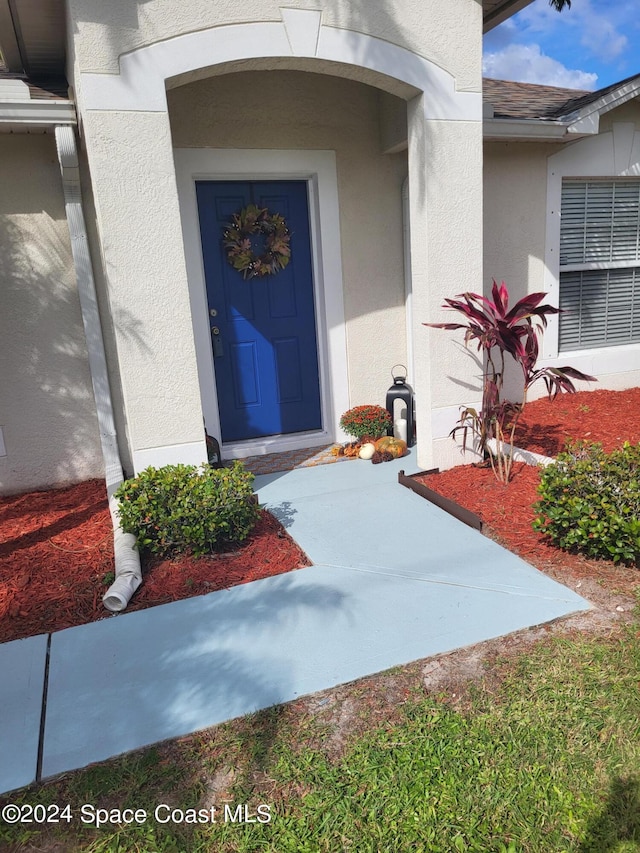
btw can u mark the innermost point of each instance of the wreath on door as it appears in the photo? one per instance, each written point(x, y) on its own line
point(250, 222)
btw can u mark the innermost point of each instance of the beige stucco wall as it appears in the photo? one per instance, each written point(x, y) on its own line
point(47, 411)
point(441, 32)
point(323, 113)
point(627, 112)
point(515, 191)
point(135, 198)
point(107, 320)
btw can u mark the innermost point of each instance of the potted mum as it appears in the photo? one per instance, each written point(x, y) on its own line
point(366, 423)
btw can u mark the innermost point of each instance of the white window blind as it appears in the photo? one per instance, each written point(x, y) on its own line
point(599, 264)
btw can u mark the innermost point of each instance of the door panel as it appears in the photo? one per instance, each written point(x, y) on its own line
point(265, 357)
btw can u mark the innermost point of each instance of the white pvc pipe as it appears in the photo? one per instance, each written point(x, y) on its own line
point(126, 557)
point(520, 455)
point(127, 565)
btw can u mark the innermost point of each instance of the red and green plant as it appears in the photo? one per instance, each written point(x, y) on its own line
point(500, 332)
point(369, 422)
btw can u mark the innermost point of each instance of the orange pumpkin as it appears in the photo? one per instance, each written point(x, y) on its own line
point(395, 446)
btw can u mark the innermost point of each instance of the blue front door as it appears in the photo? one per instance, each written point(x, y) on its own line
point(263, 329)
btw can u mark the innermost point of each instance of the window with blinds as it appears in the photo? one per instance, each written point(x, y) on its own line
point(599, 264)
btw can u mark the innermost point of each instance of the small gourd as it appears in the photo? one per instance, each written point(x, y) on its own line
point(367, 450)
point(395, 446)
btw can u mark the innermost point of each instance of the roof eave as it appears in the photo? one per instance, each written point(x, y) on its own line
point(587, 120)
point(532, 130)
point(503, 12)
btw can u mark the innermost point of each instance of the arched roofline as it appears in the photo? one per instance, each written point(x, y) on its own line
point(147, 72)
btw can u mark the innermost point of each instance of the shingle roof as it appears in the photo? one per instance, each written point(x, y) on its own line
point(529, 100)
point(532, 101)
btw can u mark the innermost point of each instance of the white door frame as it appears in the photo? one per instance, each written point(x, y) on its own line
point(318, 169)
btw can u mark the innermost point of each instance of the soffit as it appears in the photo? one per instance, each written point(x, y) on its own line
point(32, 37)
point(494, 12)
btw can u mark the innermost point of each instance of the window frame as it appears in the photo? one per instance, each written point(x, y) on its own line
point(609, 155)
point(596, 206)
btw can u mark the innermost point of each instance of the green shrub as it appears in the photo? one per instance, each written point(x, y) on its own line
point(182, 508)
point(590, 502)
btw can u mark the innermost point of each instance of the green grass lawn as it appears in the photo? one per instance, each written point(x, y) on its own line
point(543, 755)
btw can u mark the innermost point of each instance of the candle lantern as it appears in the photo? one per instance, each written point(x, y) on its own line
point(214, 457)
point(403, 427)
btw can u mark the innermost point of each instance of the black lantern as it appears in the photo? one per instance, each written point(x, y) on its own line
point(214, 457)
point(403, 392)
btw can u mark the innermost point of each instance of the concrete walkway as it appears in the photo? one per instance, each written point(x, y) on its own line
point(394, 580)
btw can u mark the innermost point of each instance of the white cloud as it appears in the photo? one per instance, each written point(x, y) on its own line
point(601, 38)
point(528, 64)
point(540, 17)
point(596, 25)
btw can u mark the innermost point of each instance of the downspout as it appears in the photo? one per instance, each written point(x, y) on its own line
point(128, 575)
point(408, 286)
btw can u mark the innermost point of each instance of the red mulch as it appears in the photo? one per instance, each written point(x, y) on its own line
point(56, 548)
point(609, 417)
point(507, 513)
point(56, 561)
point(506, 510)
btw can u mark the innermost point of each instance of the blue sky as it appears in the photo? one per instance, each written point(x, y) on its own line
point(589, 46)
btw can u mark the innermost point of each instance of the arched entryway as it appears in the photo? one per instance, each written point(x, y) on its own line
point(133, 131)
point(351, 218)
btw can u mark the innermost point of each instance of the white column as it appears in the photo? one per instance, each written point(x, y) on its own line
point(131, 163)
point(445, 188)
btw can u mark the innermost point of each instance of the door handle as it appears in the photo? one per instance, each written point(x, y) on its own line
point(216, 342)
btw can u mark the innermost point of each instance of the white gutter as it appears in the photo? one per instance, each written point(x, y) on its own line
point(522, 130)
point(37, 114)
point(127, 560)
point(534, 130)
point(19, 112)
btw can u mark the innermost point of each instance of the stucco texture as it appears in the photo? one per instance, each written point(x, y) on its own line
point(629, 112)
point(442, 32)
point(137, 213)
point(446, 231)
point(47, 410)
point(515, 192)
point(323, 113)
point(453, 226)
